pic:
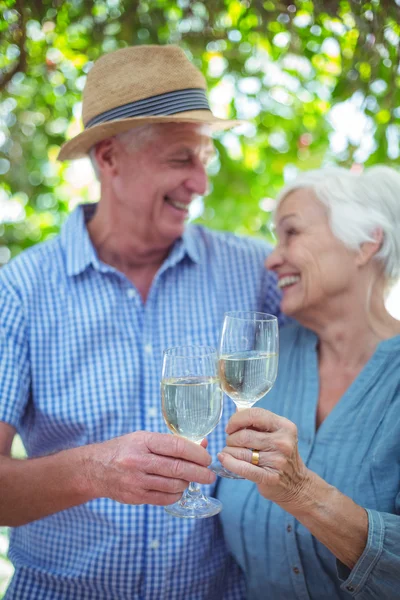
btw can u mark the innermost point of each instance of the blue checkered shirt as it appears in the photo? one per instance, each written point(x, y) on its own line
point(80, 362)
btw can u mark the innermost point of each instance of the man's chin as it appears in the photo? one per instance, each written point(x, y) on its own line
point(173, 234)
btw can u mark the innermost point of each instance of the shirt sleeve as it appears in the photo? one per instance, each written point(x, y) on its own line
point(376, 575)
point(14, 359)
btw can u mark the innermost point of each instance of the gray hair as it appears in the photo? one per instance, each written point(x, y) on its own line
point(358, 204)
point(137, 137)
point(132, 139)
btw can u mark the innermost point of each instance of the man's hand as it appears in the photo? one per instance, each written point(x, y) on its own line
point(145, 468)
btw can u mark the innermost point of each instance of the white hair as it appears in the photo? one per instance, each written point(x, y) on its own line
point(359, 204)
point(132, 139)
point(137, 137)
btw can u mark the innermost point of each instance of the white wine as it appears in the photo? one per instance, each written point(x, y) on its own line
point(247, 376)
point(192, 406)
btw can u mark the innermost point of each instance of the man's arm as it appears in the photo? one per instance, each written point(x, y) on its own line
point(31, 489)
point(137, 468)
point(7, 434)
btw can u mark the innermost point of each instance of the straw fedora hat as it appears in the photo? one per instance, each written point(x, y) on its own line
point(140, 85)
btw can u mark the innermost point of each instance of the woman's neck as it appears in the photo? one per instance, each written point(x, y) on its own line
point(350, 331)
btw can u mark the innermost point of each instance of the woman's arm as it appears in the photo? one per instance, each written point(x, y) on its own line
point(366, 543)
point(281, 476)
point(333, 518)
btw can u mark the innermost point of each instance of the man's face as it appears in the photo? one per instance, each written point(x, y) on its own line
point(155, 184)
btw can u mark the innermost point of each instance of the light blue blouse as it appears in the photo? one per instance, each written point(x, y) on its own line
point(356, 449)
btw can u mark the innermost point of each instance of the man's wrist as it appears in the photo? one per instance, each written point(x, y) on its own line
point(80, 466)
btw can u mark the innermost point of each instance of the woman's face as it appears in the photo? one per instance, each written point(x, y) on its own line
point(315, 270)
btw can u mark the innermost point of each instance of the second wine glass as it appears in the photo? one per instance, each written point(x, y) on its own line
point(192, 407)
point(248, 361)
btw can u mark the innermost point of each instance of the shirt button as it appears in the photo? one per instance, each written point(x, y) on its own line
point(349, 588)
point(296, 570)
point(152, 412)
point(154, 544)
point(289, 528)
point(148, 348)
point(131, 293)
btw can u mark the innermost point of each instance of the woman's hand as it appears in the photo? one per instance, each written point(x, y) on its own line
point(281, 475)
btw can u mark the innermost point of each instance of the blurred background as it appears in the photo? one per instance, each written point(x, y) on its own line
point(318, 81)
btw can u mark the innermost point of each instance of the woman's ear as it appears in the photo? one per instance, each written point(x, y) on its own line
point(369, 249)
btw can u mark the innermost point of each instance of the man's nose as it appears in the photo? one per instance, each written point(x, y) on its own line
point(197, 182)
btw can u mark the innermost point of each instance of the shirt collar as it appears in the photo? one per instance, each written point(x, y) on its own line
point(80, 252)
point(191, 243)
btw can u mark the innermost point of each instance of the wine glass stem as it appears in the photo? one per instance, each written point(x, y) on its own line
point(194, 490)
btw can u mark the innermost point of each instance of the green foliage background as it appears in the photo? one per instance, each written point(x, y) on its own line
point(283, 65)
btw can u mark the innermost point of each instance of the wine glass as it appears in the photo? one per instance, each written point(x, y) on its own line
point(248, 362)
point(192, 407)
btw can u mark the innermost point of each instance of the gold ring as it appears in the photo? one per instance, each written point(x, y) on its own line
point(255, 457)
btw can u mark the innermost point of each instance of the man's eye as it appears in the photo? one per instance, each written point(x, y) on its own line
point(291, 231)
point(181, 161)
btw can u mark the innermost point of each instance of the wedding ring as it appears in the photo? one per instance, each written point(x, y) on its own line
point(255, 457)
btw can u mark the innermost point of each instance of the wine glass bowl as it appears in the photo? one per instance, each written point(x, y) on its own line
point(192, 407)
point(248, 361)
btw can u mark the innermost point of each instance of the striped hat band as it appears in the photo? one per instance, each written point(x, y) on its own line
point(169, 103)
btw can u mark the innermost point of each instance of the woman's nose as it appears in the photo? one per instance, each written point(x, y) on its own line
point(274, 259)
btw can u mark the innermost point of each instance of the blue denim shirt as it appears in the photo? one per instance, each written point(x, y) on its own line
point(356, 449)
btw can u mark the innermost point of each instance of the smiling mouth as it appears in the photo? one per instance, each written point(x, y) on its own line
point(288, 280)
point(178, 205)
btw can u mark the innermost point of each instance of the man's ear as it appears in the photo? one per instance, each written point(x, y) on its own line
point(105, 154)
point(369, 249)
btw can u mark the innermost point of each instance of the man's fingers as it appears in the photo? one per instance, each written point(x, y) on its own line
point(257, 418)
point(165, 444)
point(177, 469)
point(160, 498)
point(156, 483)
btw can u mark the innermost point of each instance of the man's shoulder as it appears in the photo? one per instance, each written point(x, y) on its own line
point(32, 266)
point(231, 241)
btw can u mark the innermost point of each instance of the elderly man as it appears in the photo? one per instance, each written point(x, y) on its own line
point(84, 320)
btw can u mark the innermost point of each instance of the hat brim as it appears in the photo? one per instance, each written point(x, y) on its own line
point(79, 146)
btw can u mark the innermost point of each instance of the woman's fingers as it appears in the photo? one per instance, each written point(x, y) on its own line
point(247, 470)
point(279, 473)
point(249, 438)
point(264, 442)
point(269, 460)
point(259, 419)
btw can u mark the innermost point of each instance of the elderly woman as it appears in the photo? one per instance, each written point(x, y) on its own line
point(321, 520)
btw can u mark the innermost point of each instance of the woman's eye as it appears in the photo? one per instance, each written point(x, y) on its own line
point(290, 232)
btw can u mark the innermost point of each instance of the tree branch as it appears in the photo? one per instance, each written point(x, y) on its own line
point(20, 65)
